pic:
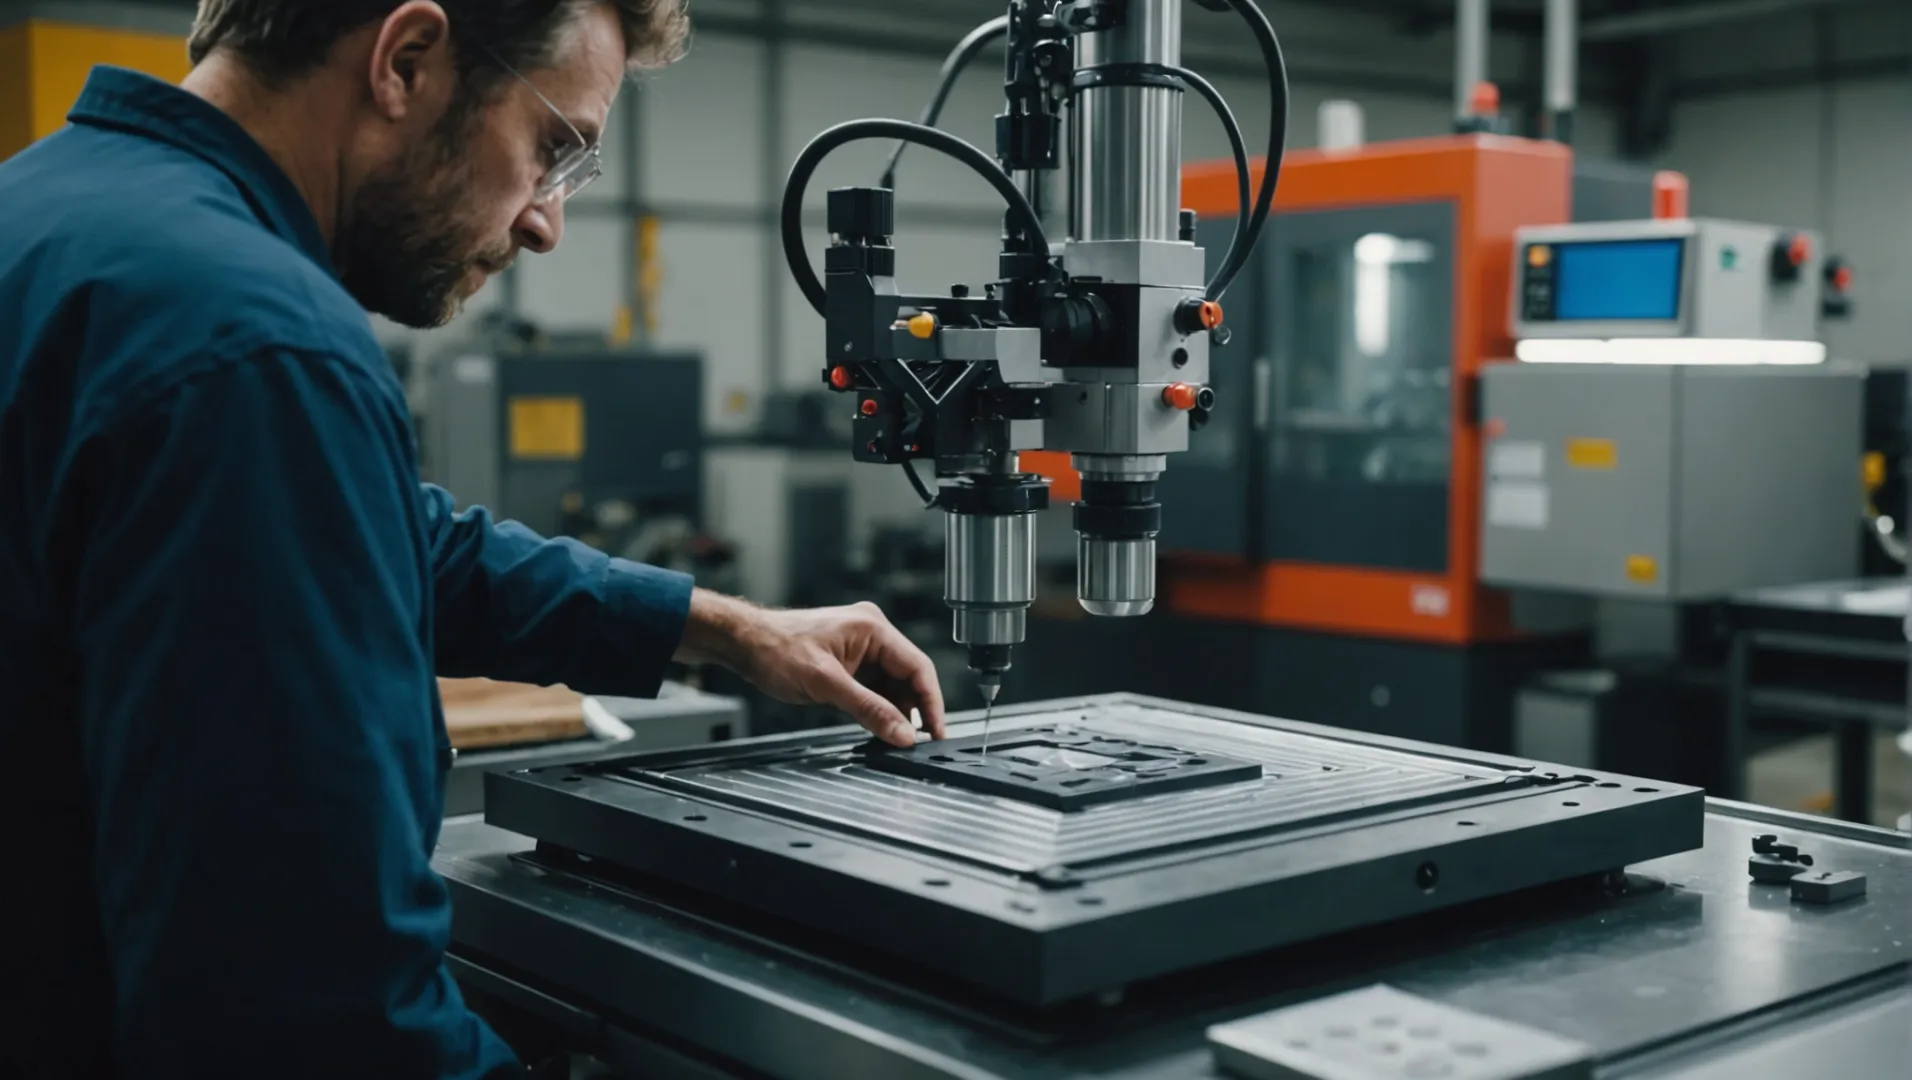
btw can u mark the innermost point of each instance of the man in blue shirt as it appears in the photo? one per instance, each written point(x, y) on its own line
point(224, 596)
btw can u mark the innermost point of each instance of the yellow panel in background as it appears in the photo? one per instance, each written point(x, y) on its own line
point(1591, 453)
point(1643, 569)
point(16, 90)
point(43, 67)
point(551, 428)
point(63, 54)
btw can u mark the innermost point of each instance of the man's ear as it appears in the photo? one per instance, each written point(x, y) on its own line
point(411, 65)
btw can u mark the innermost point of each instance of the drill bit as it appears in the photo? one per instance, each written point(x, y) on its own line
point(989, 685)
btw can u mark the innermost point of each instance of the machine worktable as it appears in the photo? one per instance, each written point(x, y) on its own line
point(1677, 971)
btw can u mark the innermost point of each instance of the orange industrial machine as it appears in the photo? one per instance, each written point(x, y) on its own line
point(1320, 549)
point(1320, 545)
point(1387, 280)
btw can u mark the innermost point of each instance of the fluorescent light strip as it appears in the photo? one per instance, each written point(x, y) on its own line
point(1668, 351)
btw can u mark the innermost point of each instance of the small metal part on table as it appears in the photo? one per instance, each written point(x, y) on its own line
point(1774, 863)
point(1773, 870)
point(1386, 1034)
point(1828, 886)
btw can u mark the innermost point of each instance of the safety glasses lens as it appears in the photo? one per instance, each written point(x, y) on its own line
point(575, 170)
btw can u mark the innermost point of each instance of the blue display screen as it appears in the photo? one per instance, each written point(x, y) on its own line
point(1618, 279)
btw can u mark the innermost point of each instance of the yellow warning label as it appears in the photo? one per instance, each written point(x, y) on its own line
point(551, 428)
point(1591, 453)
point(1643, 569)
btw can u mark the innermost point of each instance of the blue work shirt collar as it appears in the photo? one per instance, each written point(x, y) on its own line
point(142, 105)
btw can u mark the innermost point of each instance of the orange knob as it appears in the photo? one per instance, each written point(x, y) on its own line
point(1180, 396)
point(1192, 316)
point(1485, 100)
point(840, 377)
point(1670, 195)
point(923, 325)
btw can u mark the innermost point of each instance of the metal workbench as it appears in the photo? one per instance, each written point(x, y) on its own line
point(1831, 652)
point(1684, 969)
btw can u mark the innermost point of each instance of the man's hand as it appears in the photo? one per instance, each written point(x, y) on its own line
point(850, 658)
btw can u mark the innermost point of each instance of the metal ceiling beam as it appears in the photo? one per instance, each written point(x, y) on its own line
point(1669, 20)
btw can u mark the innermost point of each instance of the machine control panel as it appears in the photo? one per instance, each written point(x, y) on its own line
point(1602, 280)
point(1660, 279)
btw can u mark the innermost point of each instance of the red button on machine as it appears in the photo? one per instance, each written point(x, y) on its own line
point(840, 377)
point(1180, 396)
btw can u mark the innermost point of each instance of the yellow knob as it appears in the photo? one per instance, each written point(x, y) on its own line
point(923, 325)
point(1874, 471)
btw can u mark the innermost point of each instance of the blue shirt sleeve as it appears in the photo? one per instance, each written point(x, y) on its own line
point(259, 732)
point(513, 605)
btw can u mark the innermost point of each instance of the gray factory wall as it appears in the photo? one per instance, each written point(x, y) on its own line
point(1762, 137)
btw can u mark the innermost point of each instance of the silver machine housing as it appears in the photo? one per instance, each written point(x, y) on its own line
point(1124, 212)
point(989, 576)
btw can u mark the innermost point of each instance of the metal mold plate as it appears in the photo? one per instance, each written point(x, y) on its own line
point(1039, 905)
point(1063, 768)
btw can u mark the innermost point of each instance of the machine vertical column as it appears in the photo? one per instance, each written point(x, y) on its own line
point(1470, 53)
point(1563, 48)
point(1126, 141)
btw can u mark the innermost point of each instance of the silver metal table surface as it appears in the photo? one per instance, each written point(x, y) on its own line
point(1678, 981)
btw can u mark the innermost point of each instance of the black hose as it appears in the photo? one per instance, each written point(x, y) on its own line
point(1277, 135)
point(1243, 211)
point(958, 59)
point(909, 470)
point(856, 130)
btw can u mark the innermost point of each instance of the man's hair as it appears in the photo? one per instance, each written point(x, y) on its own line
point(282, 39)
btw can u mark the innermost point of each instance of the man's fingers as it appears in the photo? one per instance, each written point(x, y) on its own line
point(902, 660)
point(868, 707)
point(929, 695)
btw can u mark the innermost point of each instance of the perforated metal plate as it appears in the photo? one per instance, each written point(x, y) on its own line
point(1381, 1033)
point(1000, 887)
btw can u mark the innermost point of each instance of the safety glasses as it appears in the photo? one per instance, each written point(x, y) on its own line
point(575, 165)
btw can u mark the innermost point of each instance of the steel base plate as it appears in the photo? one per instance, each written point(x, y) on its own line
point(1256, 833)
